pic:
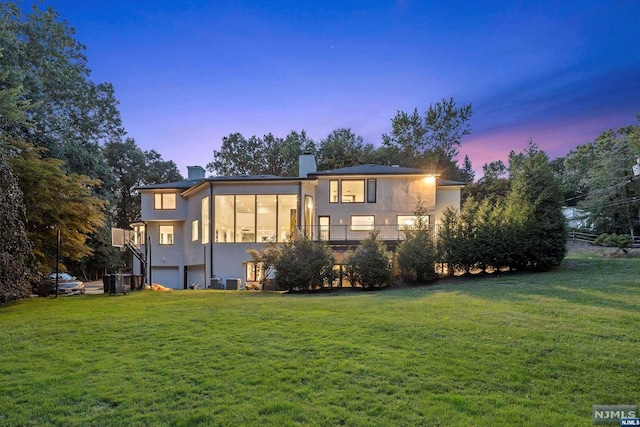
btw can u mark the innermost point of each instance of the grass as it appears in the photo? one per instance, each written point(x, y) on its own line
point(528, 349)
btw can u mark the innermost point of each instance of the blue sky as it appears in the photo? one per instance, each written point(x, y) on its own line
point(188, 73)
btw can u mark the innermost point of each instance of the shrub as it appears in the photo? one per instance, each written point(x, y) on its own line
point(370, 262)
point(303, 263)
point(615, 242)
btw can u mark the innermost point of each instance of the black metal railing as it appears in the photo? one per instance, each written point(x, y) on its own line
point(349, 232)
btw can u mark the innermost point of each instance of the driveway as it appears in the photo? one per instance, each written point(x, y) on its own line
point(93, 288)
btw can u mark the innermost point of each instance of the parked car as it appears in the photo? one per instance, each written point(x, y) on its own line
point(67, 284)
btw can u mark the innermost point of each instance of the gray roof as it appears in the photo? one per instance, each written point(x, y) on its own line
point(182, 185)
point(352, 170)
point(372, 170)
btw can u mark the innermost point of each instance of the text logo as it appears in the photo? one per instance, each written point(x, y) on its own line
point(613, 414)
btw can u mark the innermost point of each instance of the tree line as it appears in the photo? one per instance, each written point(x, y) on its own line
point(430, 141)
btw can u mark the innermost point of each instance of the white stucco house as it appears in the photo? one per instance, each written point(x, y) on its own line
point(197, 231)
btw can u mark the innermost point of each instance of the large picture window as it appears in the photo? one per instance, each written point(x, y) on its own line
point(352, 191)
point(246, 218)
point(287, 216)
point(166, 235)
point(267, 218)
point(224, 218)
point(164, 201)
point(255, 218)
point(362, 222)
point(409, 222)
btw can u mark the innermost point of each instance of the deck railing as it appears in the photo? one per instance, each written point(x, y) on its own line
point(355, 233)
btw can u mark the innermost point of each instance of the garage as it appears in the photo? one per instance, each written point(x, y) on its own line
point(167, 276)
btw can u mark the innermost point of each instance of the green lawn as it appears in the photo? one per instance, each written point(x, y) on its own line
point(529, 349)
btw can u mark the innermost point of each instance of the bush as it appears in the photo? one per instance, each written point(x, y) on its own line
point(616, 242)
point(303, 264)
point(417, 257)
point(370, 262)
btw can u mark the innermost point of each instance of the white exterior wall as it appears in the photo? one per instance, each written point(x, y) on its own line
point(395, 195)
point(446, 196)
point(151, 214)
point(167, 257)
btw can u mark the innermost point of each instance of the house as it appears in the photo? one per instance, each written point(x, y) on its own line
point(198, 231)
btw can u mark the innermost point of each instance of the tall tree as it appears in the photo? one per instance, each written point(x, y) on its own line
point(431, 142)
point(269, 155)
point(132, 168)
point(600, 175)
point(467, 173)
point(16, 255)
point(71, 115)
point(536, 191)
point(56, 201)
point(343, 148)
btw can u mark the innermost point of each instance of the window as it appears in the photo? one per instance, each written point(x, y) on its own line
point(352, 191)
point(194, 230)
point(409, 222)
point(246, 218)
point(371, 190)
point(166, 235)
point(287, 216)
point(308, 214)
point(224, 218)
point(206, 223)
point(323, 222)
point(255, 272)
point(362, 223)
point(333, 191)
point(255, 218)
point(267, 214)
point(164, 201)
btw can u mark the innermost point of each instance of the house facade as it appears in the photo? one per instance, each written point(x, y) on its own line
point(198, 231)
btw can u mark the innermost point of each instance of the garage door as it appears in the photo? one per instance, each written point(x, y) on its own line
point(167, 276)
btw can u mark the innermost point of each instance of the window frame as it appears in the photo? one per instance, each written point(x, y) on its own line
point(172, 234)
point(160, 196)
point(195, 229)
point(369, 183)
point(335, 182)
point(402, 227)
point(367, 227)
point(205, 213)
point(364, 190)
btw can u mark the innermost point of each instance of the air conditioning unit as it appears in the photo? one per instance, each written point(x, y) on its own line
point(216, 283)
point(232, 284)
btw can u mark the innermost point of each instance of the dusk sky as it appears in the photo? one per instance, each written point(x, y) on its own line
point(187, 73)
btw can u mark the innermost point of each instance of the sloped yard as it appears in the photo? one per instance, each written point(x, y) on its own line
point(528, 349)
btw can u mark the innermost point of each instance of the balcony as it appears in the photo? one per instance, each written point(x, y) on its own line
point(348, 233)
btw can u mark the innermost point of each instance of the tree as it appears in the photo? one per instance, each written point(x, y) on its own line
point(537, 193)
point(371, 262)
point(70, 115)
point(467, 173)
point(493, 185)
point(16, 255)
point(599, 175)
point(56, 201)
point(342, 148)
point(431, 142)
point(417, 253)
point(260, 156)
